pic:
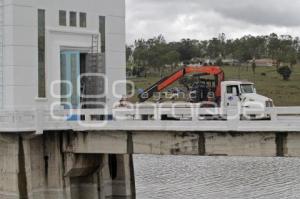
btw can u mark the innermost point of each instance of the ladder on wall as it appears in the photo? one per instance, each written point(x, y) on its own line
point(92, 64)
point(94, 54)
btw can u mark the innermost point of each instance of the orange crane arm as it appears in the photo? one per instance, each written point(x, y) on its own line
point(167, 81)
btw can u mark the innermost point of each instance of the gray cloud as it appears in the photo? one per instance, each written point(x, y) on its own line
point(264, 12)
point(203, 19)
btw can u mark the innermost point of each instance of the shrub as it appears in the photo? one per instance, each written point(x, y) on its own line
point(285, 72)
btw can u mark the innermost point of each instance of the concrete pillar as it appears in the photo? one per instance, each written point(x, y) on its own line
point(34, 167)
point(84, 187)
point(9, 167)
point(45, 168)
point(117, 177)
point(291, 145)
point(82, 170)
point(123, 185)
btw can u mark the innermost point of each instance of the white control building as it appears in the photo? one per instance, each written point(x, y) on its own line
point(46, 45)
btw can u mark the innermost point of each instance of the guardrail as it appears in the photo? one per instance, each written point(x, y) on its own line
point(149, 117)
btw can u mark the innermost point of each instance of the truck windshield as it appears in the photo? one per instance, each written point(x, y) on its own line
point(247, 88)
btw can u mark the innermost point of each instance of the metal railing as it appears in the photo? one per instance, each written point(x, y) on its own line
point(147, 118)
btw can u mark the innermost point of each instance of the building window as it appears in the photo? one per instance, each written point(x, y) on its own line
point(63, 77)
point(102, 32)
point(82, 20)
point(73, 19)
point(62, 18)
point(41, 54)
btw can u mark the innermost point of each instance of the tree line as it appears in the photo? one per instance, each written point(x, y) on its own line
point(156, 53)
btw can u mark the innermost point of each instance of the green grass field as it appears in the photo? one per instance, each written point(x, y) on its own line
point(284, 93)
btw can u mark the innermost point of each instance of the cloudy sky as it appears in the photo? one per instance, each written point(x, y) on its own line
point(204, 19)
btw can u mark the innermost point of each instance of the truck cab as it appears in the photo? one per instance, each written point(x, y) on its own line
point(242, 95)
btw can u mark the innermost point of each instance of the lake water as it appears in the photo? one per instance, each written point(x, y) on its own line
point(194, 177)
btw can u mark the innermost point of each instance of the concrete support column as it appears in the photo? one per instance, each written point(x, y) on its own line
point(291, 145)
point(9, 167)
point(123, 185)
point(82, 171)
point(117, 177)
point(45, 168)
point(84, 187)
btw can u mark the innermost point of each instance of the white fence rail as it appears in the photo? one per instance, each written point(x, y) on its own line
point(152, 118)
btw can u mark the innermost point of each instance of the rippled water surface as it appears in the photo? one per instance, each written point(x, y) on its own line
point(194, 177)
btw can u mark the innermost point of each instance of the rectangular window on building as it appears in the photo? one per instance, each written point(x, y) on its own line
point(73, 19)
point(62, 18)
point(102, 32)
point(63, 76)
point(41, 54)
point(82, 20)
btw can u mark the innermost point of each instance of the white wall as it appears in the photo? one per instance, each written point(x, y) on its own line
point(1, 52)
point(20, 51)
point(19, 54)
point(58, 37)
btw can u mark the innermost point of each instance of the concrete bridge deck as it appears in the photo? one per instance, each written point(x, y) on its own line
point(283, 119)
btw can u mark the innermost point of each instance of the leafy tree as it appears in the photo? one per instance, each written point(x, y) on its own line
point(274, 47)
point(171, 58)
point(188, 49)
point(214, 48)
point(129, 52)
point(140, 56)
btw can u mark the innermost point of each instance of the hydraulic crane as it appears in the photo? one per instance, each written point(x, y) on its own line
point(216, 71)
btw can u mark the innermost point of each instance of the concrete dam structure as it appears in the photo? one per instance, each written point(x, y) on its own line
point(48, 154)
point(79, 165)
point(62, 73)
point(73, 161)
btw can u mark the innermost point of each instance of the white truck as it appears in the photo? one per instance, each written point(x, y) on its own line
point(231, 98)
point(242, 96)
